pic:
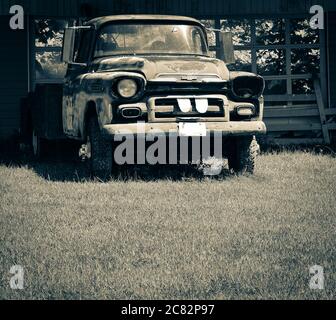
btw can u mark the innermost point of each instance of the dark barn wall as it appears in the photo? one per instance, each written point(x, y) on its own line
point(14, 77)
point(181, 7)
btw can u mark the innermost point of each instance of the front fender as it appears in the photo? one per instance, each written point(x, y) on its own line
point(104, 111)
point(96, 93)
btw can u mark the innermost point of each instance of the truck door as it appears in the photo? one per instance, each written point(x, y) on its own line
point(68, 112)
point(71, 89)
point(80, 43)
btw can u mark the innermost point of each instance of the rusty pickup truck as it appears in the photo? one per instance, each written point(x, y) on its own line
point(157, 71)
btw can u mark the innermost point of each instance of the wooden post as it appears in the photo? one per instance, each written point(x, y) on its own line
point(319, 97)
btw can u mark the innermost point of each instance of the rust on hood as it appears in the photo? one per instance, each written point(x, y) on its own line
point(153, 67)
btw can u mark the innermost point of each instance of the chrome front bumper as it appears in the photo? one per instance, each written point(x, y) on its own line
point(241, 128)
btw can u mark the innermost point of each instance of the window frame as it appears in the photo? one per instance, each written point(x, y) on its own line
point(287, 46)
point(35, 50)
point(205, 46)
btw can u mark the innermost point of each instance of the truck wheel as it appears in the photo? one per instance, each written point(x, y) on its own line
point(99, 151)
point(243, 155)
point(37, 145)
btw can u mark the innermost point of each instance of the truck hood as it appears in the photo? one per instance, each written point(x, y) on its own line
point(180, 68)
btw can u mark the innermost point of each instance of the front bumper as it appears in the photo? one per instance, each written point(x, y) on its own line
point(241, 128)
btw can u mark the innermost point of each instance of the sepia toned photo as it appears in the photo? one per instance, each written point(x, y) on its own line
point(167, 151)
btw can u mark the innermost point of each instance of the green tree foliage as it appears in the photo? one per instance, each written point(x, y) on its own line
point(49, 32)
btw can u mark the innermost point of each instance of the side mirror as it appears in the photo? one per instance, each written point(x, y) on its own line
point(227, 48)
point(71, 39)
point(68, 45)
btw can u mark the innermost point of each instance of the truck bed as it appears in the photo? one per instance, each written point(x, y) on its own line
point(46, 111)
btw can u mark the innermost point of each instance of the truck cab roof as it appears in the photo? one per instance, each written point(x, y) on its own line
point(98, 22)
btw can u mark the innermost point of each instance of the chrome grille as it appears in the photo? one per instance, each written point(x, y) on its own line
point(169, 108)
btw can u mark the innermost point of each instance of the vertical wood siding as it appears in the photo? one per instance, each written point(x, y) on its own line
point(13, 77)
point(182, 7)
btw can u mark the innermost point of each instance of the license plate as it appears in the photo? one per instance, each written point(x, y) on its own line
point(192, 129)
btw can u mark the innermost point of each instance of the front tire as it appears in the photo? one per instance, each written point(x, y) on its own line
point(100, 151)
point(37, 145)
point(243, 155)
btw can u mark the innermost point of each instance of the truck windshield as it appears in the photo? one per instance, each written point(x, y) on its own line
point(137, 39)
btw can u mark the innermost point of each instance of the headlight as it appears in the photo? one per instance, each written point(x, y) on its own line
point(127, 88)
point(245, 93)
point(246, 87)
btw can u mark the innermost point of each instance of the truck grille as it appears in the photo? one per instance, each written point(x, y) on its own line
point(166, 108)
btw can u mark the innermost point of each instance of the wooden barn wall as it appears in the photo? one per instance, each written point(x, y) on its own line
point(14, 77)
point(332, 56)
point(182, 7)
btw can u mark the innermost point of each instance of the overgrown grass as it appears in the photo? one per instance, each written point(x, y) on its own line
point(187, 238)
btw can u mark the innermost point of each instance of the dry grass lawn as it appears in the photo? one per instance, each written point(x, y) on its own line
point(188, 238)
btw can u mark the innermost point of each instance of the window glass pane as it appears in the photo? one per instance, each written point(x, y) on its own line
point(48, 65)
point(302, 33)
point(270, 32)
point(241, 30)
point(305, 61)
point(211, 34)
point(84, 46)
point(243, 61)
point(275, 87)
point(143, 38)
point(271, 62)
point(48, 43)
point(49, 32)
point(303, 86)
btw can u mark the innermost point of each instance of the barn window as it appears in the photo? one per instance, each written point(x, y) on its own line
point(48, 50)
point(286, 51)
point(241, 31)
